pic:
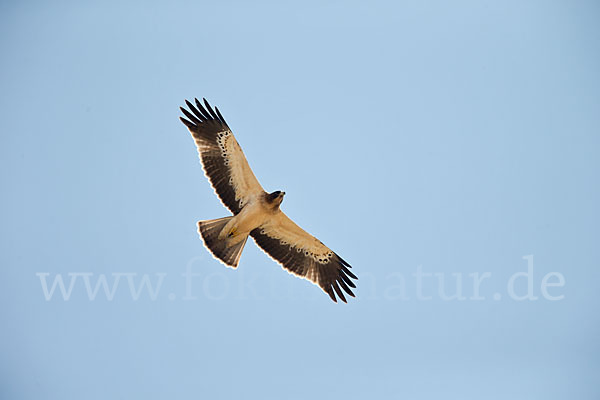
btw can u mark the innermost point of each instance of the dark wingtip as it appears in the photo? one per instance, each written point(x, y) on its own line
point(338, 291)
point(347, 280)
point(346, 288)
point(210, 110)
point(220, 116)
point(187, 123)
point(190, 116)
point(329, 291)
point(350, 274)
point(202, 110)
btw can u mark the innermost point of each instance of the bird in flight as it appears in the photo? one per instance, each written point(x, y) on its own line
point(256, 213)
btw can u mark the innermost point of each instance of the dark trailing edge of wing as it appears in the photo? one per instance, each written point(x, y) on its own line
point(205, 124)
point(333, 277)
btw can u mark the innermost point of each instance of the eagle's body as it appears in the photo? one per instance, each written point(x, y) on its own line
point(256, 213)
point(259, 210)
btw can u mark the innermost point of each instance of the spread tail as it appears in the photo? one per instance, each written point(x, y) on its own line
point(228, 250)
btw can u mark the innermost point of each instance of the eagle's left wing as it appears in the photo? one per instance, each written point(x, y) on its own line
point(222, 157)
point(304, 255)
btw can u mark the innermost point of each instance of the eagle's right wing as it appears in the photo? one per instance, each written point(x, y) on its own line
point(304, 255)
point(222, 158)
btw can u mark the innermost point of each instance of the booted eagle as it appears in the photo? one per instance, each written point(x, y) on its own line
point(256, 213)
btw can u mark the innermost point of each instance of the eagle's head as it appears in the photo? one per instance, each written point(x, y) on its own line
point(275, 198)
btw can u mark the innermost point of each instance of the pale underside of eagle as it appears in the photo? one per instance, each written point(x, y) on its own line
point(256, 213)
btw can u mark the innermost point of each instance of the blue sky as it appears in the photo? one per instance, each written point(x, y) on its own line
point(431, 144)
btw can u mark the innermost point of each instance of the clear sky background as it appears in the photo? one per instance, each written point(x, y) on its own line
point(450, 138)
